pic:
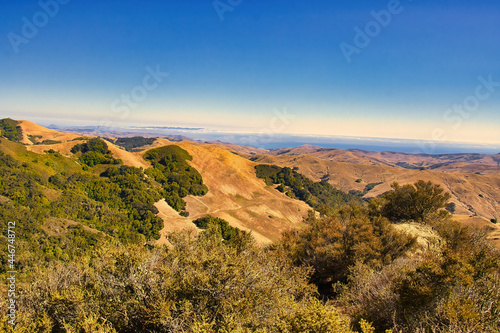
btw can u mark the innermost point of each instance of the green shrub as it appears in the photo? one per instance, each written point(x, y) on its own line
point(199, 285)
point(321, 196)
point(227, 232)
point(93, 152)
point(333, 245)
point(178, 178)
point(419, 202)
point(10, 129)
point(48, 142)
point(131, 144)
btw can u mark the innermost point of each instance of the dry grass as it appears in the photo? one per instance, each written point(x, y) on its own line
point(45, 133)
point(483, 225)
point(472, 193)
point(426, 236)
point(172, 221)
point(237, 195)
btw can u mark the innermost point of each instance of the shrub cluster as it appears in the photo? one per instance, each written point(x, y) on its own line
point(93, 152)
point(131, 144)
point(10, 129)
point(333, 245)
point(321, 196)
point(173, 172)
point(419, 202)
point(200, 285)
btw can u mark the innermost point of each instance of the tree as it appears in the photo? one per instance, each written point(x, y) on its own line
point(333, 245)
point(418, 202)
point(451, 207)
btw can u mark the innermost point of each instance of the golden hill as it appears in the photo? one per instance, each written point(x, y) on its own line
point(472, 193)
point(238, 196)
point(42, 133)
point(235, 193)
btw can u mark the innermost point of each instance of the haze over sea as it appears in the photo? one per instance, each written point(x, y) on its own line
point(277, 141)
point(268, 140)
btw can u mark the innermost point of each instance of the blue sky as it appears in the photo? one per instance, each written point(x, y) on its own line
point(421, 76)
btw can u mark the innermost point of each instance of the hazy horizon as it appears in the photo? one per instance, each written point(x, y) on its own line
point(285, 140)
point(409, 70)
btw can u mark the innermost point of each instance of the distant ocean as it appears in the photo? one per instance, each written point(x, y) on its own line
point(276, 141)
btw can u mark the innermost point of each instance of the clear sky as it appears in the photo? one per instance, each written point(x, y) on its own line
point(417, 69)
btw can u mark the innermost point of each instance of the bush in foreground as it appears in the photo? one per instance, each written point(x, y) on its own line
point(199, 285)
point(418, 202)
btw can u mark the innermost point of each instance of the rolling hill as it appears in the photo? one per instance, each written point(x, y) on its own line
point(246, 202)
point(235, 193)
point(473, 180)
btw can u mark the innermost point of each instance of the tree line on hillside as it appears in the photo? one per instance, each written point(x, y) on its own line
point(10, 129)
point(321, 195)
point(173, 172)
point(45, 191)
point(93, 152)
point(132, 144)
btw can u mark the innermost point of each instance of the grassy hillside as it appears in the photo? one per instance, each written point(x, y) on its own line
point(85, 197)
point(238, 196)
point(178, 178)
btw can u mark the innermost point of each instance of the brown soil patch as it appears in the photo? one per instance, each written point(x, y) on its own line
point(172, 221)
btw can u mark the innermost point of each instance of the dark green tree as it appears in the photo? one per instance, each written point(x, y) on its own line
point(419, 202)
